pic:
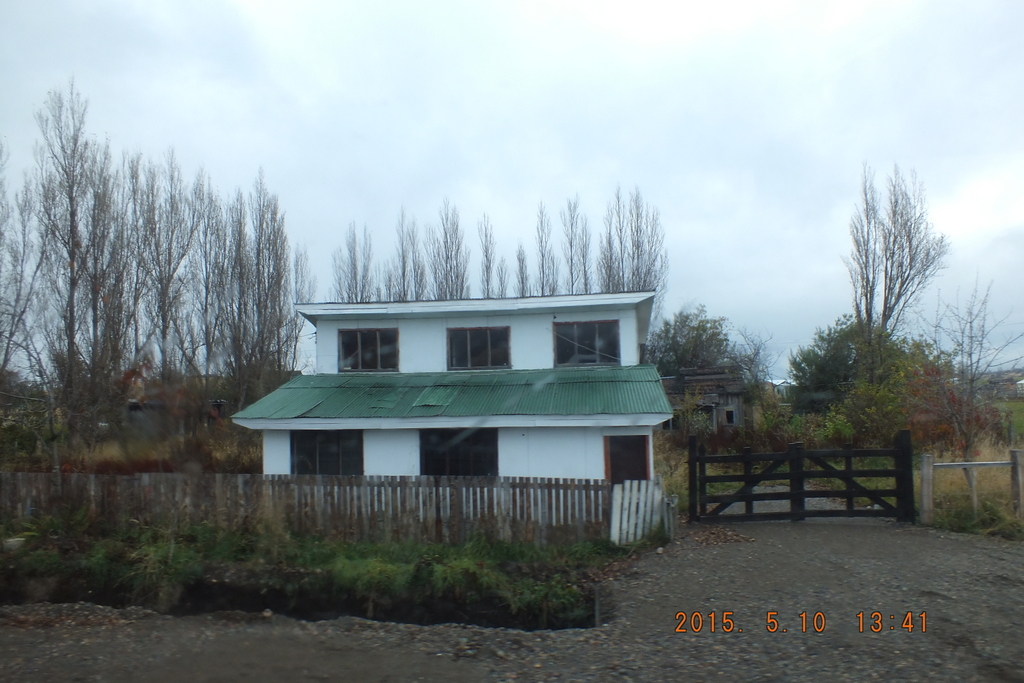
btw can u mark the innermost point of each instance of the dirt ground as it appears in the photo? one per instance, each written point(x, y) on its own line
point(971, 590)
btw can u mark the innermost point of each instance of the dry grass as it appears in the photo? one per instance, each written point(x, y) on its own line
point(953, 509)
point(670, 464)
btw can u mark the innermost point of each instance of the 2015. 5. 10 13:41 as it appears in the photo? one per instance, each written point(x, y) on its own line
point(876, 622)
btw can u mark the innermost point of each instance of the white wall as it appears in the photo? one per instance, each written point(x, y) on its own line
point(568, 452)
point(391, 452)
point(561, 452)
point(423, 342)
point(277, 451)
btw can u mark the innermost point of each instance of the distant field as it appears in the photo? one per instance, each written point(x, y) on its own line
point(1016, 409)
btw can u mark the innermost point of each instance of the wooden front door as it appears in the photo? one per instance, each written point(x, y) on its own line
point(625, 458)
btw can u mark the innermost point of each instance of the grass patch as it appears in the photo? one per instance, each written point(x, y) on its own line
point(532, 586)
point(952, 498)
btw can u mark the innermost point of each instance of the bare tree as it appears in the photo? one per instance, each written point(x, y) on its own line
point(21, 261)
point(522, 273)
point(646, 259)
point(752, 355)
point(109, 251)
point(62, 161)
point(547, 265)
point(208, 285)
point(575, 247)
point(448, 256)
point(613, 246)
point(501, 279)
point(486, 232)
point(405, 276)
point(239, 315)
point(956, 389)
point(354, 280)
point(167, 244)
point(586, 284)
point(608, 275)
point(895, 253)
point(261, 304)
point(632, 256)
point(304, 292)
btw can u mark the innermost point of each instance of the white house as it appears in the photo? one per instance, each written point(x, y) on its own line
point(530, 387)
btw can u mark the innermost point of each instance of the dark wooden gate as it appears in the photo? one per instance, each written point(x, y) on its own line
point(795, 469)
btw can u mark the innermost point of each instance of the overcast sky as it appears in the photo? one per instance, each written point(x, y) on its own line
point(746, 124)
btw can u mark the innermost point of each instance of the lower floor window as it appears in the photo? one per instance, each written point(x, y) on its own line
point(459, 452)
point(327, 452)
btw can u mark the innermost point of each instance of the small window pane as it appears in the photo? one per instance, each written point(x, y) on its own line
point(499, 347)
point(349, 355)
point(329, 459)
point(478, 356)
point(458, 343)
point(303, 452)
point(351, 446)
point(565, 344)
point(389, 349)
point(586, 343)
point(368, 358)
point(608, 342)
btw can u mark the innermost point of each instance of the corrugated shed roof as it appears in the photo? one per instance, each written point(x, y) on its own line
point(561, 391)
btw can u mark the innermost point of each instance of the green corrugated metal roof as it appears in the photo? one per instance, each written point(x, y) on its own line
point(562, 391)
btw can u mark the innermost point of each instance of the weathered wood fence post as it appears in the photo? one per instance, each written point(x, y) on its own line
point(691, 466)
point(927, 495)
point(1017, 483)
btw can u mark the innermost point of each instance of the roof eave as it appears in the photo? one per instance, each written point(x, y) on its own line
point(642, 301)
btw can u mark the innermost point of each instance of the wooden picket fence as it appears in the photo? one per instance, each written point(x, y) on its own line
point(639, 508)
point(426, 509)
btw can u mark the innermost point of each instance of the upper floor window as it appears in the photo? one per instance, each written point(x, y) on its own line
point(479, 347)
point(368, 349)
point(587, 343)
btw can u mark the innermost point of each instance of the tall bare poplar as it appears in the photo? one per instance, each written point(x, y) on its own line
point(895, 255)
point(21, 262)
point(167, 243)
point(501, 279)
point(405, 276)
point(631, 253)
point(547, 264)
point(304, 287)
point(522, 273)
point(895, 252)
point(209, 285)
point(108, 255)
point(62, 165)
point(575, 247)
point(447, 255)
point(354, 280)
point(487, 247)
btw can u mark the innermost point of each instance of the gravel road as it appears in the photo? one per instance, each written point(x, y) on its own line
point(970, 589)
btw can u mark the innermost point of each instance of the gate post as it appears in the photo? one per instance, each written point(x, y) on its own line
point(904, 478)
point(691, 464)
point(927, 490)
point(796, 481)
